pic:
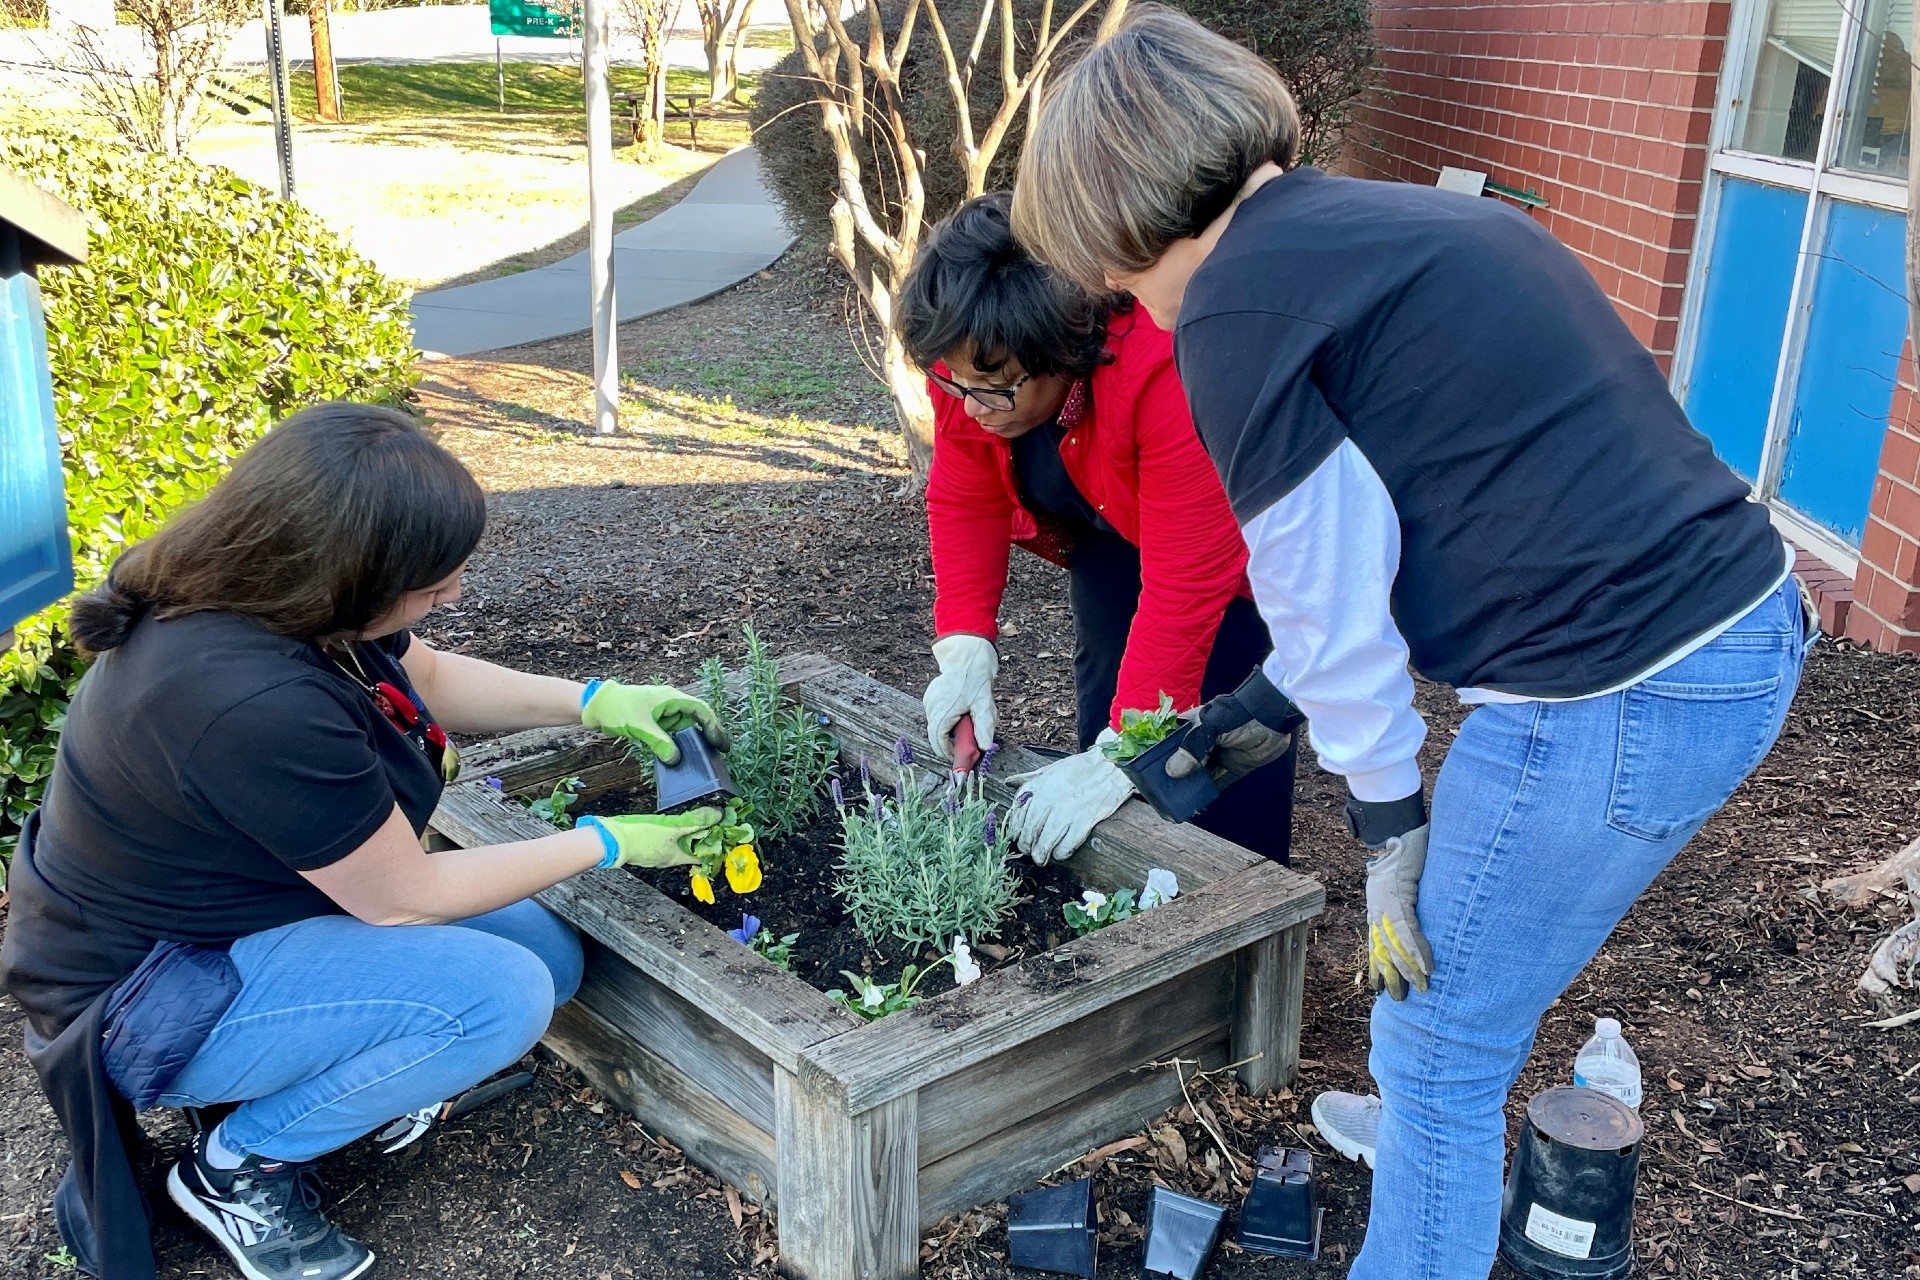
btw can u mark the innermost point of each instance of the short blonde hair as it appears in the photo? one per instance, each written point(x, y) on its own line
point(1144, 141)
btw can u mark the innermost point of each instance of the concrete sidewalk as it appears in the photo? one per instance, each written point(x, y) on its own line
point(725, 230)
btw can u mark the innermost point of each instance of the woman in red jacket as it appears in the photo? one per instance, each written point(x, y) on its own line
point(1061, 426)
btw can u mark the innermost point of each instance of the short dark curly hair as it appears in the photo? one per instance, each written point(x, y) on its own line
point(974, 292)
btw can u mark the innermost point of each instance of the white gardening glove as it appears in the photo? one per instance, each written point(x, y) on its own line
point(1397, 952)
point(1059, 806)
point(964, 687)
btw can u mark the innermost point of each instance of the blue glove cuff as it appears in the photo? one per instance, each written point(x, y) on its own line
point(607, 839)
point(586, 694)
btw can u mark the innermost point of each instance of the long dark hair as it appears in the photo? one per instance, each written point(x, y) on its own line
point(973, 291)
point(318, 530)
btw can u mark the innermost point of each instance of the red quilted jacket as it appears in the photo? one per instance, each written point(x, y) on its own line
point(1135, 456)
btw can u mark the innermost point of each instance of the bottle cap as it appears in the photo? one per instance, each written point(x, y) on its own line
point(1606, 1028)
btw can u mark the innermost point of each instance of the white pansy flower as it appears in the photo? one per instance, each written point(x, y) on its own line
point(1092, 900)
point(874, 997)
point(1162, 886)
point(965, 968)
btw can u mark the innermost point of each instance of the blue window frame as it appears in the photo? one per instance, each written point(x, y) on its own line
point(36, 563)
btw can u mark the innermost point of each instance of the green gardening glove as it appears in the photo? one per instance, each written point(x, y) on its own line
point(652, 839)
point(649, 714)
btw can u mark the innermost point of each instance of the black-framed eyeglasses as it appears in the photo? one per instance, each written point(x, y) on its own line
point(998, 399)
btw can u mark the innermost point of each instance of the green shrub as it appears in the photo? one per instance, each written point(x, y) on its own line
point(207, 309)
point(781, 755)
point(1324, 49)
point(923, 865)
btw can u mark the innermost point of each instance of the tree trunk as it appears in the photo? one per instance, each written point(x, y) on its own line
point(734, 47)
point(719, 82)
point(326, 77)
point(911, 406)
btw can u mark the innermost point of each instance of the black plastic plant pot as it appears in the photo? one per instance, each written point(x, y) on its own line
point(1053, 1229)
point(1181, 1234)
point(701, 773)
point(1175, 799)
point(1568, 1209)
point(1282, 1212)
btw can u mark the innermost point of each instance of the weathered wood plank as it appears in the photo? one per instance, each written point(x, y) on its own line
point(473, 813)
point(533, 761)
point(1002, 1091)
point(848, 1189)
point(1020, 1155)
point(871, 717)
point(698, 1044)
point(1013, 1005)
point(665, 1099)
point(1268, 992)
point(768, 1007)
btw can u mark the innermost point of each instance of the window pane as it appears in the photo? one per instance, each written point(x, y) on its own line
point(1786, 100)
point(1848, 368)
point(1873, 133)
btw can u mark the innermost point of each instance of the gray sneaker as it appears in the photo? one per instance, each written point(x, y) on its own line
point(266, 1215)
point(1349, 1122)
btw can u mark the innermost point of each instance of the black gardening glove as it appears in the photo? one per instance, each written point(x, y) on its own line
point(1238, 732)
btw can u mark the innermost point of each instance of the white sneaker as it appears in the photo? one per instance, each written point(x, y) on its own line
point(1349, 1122)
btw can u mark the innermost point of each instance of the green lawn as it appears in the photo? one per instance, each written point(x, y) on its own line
point(539, 95)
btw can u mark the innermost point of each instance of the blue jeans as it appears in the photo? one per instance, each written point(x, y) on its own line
point(341, 1026)
point(1549, 820)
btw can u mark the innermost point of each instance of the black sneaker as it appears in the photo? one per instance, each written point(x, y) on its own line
point(266, 1215)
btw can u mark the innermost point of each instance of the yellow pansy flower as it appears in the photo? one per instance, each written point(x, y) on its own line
point(743, 868)
point(702, 887)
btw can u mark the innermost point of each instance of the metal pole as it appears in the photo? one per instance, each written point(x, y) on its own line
point(500, 75)
point(606, 363)
point(277, 76)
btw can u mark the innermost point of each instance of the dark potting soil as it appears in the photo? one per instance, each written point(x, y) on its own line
point(797, 896)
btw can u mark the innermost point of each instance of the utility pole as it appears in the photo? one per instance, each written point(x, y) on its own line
point(600, 200)
point(277, 77)
point(326, 76)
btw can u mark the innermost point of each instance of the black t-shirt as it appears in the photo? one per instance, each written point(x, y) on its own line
point(207, 762)
point(1563, 527)
point(1045, 483)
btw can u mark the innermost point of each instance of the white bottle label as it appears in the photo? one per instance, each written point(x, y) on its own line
point(1568, 1237)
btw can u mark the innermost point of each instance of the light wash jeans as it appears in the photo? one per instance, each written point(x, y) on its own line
point(341, 1026)
point(1549, 819)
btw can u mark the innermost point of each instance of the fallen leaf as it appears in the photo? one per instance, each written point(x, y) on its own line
point(1173, 1148)
point(1756, 1073)
point(1115, 1148)
point(1912, 1183)
point(733, 1208)
point(631, 1178)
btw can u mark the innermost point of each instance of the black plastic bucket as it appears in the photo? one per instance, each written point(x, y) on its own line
point(1053, 1229)
point(1175, 799)
point(1568, 1210)
point(699, 774)
point(1281, 1214)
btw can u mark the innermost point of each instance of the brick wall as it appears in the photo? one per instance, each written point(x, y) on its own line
point(1886, 592)
point(1601, 106)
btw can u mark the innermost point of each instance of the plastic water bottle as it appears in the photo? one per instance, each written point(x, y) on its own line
point(1607, 1063)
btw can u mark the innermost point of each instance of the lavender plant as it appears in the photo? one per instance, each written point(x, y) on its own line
point(923, 864)
point(781, 753)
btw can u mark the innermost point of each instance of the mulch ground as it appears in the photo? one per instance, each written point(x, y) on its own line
point(1783, 1134)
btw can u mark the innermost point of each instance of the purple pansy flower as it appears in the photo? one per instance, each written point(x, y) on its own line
point(495, 783)
point(749, 925)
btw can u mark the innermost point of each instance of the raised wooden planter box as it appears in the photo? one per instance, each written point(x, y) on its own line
point(864, 1134)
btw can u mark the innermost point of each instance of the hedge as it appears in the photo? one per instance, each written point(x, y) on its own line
point(207, 309)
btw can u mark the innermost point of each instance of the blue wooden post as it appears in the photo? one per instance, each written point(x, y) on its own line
point(36, 561)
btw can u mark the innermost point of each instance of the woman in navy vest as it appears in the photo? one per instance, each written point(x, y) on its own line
point(224, 903)
point(1444, 449)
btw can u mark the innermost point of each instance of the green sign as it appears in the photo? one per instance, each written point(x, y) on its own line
point(527, 18)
